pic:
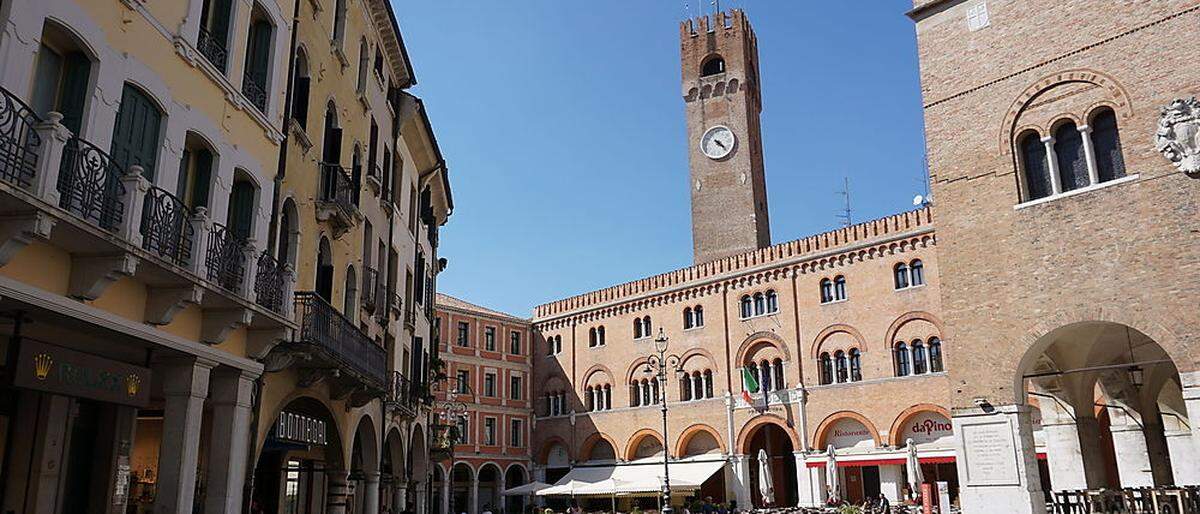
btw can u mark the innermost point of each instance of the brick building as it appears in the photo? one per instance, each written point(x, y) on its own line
point(487, 355)
point(1036, 341)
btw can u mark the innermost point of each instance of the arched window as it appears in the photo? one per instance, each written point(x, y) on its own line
point(855, 365)
point(688, 320)
point(900, 272)
point(656, 395)
point(635, 394)
point(697, 385)
point(698, 312)
point(607, 397)
point(592, 337)
point(764, 371)
point(136, 137)
point(339, 21)
point(637, 328)
point(839, 287)
point(841, 366)
point(647, 397)
point(772, 301)
point(1072, 161)
point(747, 307)
point(901, 353)
point(712, 66)
point(780, 383)
point(212, 40)
point(753, 369)
point(917, 271)
point(600, 335)
point(1035, 166)
point(685, 388)
point(708, 384)
point(918, 350)
point(324, 278)
point(760, 304)
point(590, 398)
point(826, 290)
point(300, 87)
point(351, 294)
point(935, 355)
point(1106, 142)
point(646, 331)
point(258, 59)
point(364, 60)
point(826, 368)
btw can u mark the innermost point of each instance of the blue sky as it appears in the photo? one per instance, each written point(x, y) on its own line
point(562, 123)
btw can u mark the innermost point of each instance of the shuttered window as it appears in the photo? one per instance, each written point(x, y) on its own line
point(136, 133)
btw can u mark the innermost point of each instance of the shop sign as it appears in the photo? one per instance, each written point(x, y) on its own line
point(926, 427)
point(298, 428)
point(848, 433)
point(54, 369)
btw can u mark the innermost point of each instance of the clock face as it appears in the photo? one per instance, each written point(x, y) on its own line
point(718, 142)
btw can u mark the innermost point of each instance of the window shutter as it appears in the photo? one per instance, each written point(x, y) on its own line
point(74, 90)
point(135, 134)
point(300, 101)
point(241, 208)
point(259, 53)
point(202, 180)
point(181, 185)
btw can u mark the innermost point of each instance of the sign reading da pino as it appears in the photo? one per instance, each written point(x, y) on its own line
point(54, 369)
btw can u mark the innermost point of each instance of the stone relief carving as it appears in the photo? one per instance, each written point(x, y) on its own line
point(1178, 136)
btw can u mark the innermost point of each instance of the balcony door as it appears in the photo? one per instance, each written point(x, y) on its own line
point(136, 134)
point(241, 208)
point(61, 84)
point(325, 272)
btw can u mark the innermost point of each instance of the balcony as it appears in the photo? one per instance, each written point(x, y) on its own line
point(212, 49)
point(64, 190)
point(403, 396)
point(256, 92)
point(335, 198)
point(337, 352)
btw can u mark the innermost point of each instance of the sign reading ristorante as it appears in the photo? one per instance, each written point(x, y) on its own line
point(55, 369)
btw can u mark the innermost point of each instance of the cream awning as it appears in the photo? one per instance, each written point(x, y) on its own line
point(641, 476)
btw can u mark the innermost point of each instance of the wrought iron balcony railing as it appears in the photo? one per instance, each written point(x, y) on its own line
point(337, 188)
point(270, 283)
point(370, 288)
point(402, 396)
point(327, 329)
point(165, 228)
point(18, 141)
point(226, 258)
point(256, 92)
point(212, 48)
point(89, 184)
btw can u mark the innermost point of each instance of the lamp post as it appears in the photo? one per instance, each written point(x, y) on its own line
point(658, 364)
point(451, 410)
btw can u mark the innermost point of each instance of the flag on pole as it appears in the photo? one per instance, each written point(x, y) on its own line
point(749, 384)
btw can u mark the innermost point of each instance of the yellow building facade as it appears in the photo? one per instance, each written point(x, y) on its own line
point(159, 208)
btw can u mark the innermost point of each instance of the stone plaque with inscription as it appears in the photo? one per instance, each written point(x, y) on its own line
point(991, 454)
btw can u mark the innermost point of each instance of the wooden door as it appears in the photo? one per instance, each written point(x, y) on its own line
point(854, 484)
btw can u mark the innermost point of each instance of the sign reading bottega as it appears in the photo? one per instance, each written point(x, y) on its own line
point(55, 369)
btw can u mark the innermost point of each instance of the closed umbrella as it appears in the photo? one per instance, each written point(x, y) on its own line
point(765, 487)
point(914, 469)
point(831, 473)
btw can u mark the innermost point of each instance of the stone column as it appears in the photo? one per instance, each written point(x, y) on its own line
point(473, 500)
point(1191, 401)
point(337, 493)
point(1129, 444)
point(1184, 457)
point(741, 480)
point(371, 493)
point(185, 386)
point(399, 496)
point(1052, 162)
point(446, 491)
point(996, 459)
point(891, 483)
point(39, 438)
point(1064, 454)
point(1089, 151)
point(1156, 444)
point(231, 403)
point(808, 487)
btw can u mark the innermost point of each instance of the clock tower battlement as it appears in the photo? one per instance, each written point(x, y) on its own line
point(719, 58)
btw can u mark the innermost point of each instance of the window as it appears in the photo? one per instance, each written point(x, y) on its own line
point(516, 433)
point(901, 353)
point(489, 339)
point(350, 295)
point(258, 60)
point(916, 270)
point(841, 366)
point(556, 403)
point(780, 383)
point(826, 368)
point(712, 66)
point(977, 17)
point(592, 341)
point(1106, 143)
point(635, 394)
point(61, 78)
point(839, 288)
point(900, 272)
point(698, 314)
point(826, 290)
point(1072, 162)
point(764, 376)
point(514, 343)
point(339, 22)
point(378, 64)
point(212, 40)
point(637, 328)
point(685, 388)
point(464, 430)
point(489, 385)
point(463, 383)
point(772, 301)
point(464, 334)
point(195, 172)
point(514, 387)
point(689, 319)
point(747, 309)
point(918, 350)
point(708, 384)
point(855, 365)
point(489, 431)
point(600, 335)
point(556, 347)
point(646, 326)
point(136, 132)
point(935, 355)
point(300, 90)
point(760, 304)
point(1037, 170)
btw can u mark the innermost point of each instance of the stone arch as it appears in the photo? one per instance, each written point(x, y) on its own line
point(837, 328)
point(890, 335)
point(592, 372)
point(700, 354)
point(822, 432)
point(1118, 96)
point(585, 449)
point(544, 452)
point(337, 435)
point(634, 369)
point(688, 433)
point(394, 453)
point(636, 440)
point(751, 427)
point(417, 460)
point(366, 433)
point(906, 414)
point(756, 340)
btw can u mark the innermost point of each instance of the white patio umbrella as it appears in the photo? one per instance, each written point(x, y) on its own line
point(914, 469)
point(765, 487)
point(831, 473)
point(525, 490)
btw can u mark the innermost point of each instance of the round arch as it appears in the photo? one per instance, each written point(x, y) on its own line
point(585, 449)
point(636, 440)
point(1117, 97)
point(710, 362)
point(822, 434)
point(366, 434)
point(907, 317)
point(756, 423)
point(597, 368)
point(417, 459)
point(838, 328)
point(544, 453)
point(691, 432)
point(907, 414)
point(753, 341)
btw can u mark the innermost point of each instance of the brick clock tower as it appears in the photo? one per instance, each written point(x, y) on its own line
point(719, 55)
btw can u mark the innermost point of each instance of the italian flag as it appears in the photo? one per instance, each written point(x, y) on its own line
point(749, 384)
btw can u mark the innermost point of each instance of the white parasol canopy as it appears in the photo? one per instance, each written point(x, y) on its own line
point(765, 487)
point(525, 490)
point(914, 469)
point(831, 473)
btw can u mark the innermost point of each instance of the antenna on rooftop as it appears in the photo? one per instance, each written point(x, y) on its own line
point(846, 216)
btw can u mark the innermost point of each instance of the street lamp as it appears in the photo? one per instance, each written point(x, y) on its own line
point(658, 364)
point(451, 410)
